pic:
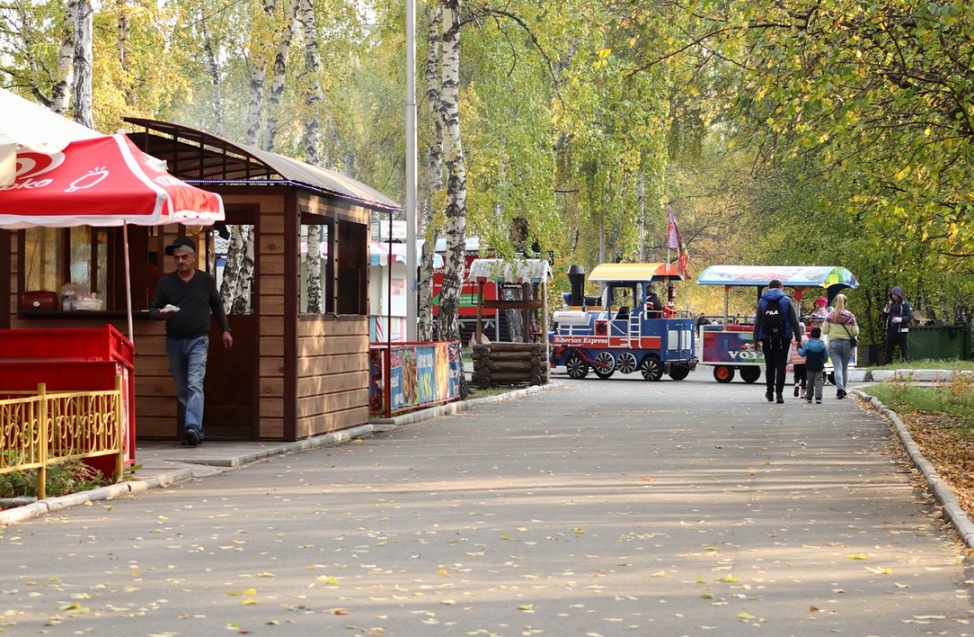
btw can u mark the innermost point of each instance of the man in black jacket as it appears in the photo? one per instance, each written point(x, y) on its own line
point(184, 299)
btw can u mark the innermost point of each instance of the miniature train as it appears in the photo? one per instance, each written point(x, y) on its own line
point(625, 328)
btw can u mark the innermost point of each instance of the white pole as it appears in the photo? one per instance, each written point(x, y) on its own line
point(412, 303)
point(128, 281)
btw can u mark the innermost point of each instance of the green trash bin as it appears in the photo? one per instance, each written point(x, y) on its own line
point(940, 342)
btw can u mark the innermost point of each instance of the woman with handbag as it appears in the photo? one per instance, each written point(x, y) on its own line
point(843, 332)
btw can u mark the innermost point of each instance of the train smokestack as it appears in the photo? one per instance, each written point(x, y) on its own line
point(576, 277)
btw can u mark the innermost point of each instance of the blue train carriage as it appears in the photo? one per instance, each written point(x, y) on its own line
point(619, 330)
point(729, 347)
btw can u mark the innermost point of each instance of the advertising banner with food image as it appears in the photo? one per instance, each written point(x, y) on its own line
point(418, 375)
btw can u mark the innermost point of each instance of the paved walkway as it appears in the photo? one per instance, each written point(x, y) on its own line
point(595, 508)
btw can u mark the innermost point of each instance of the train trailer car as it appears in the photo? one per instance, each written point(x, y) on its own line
point(625, 328)
point(729, 347)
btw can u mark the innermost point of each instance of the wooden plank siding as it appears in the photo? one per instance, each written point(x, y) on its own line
point(333, 374)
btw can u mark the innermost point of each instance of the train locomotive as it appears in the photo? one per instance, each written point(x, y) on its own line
point(622, 329)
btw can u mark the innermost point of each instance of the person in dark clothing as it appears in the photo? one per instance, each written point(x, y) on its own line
point(897, 315)
point(816, 356)
point(774, 330)
point(654, 307)
point(184, 299)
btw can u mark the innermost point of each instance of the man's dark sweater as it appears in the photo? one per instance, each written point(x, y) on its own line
point(195, 299)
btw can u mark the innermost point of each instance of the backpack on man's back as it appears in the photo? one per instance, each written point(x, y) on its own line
point(773, 319)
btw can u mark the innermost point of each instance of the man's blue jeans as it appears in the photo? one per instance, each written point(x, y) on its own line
point(187, 362)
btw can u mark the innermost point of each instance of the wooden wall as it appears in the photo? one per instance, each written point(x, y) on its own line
point(333, 374)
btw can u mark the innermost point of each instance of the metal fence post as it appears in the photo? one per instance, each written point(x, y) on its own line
point(42, 452)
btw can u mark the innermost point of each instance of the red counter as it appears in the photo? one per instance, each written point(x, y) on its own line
point(73, 359)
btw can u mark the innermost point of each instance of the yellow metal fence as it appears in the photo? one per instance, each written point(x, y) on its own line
point(38, 430)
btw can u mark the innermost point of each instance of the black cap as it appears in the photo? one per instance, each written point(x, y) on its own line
point(181, 242)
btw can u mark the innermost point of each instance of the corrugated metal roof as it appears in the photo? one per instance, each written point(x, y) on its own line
point(201, 157)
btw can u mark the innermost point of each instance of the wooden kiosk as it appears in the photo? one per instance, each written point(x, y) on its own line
point(300, 365)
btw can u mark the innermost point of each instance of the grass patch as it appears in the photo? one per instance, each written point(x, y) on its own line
point(954, 399)
point(63, 478)
point(948, 364)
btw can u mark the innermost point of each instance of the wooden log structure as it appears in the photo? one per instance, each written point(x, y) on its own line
point(509, 364)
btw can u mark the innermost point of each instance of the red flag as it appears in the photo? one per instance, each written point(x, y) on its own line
point(673, 238)
point(674, 241)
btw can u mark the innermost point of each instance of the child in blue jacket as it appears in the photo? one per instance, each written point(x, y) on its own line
point(816, 355)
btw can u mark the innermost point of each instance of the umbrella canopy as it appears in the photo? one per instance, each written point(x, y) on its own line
point(824, 276)
point(27, 126)
point(103, 181)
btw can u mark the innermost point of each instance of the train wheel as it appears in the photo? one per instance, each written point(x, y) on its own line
point(723, 374)
point(577, 368)
point(606, 365)
point(651, 368)
point(750, 374)
point(679, 372)
point(626, 363)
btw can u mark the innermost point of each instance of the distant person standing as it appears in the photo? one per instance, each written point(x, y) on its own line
point(774, 325)
point(898, 315)
point(841, 328)
point(184, 299)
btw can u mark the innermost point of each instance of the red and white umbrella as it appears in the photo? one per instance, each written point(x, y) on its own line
point(103, 181)
point(29, 127)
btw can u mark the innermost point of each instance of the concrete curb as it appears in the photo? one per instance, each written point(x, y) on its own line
point(49, 505)
point(388, 424)
point(949, 504)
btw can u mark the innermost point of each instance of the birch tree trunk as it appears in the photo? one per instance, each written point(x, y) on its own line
point(64, 71)
point(456, 184)
point(258, 71)
point(434, 172)
point(213, 68)
point(235, 289)
point(280, 74)
point(123, 28)
point(313, 99)
point(83, 43)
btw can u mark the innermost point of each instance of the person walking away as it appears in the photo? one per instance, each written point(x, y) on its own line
point(897, 315)
point(184, 299)
point(774, 325)
point(798, 366)
point(841, 328)
point(816, 356)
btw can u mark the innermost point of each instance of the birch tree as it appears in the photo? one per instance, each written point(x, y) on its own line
point(279, 75)
point(313, 100)
point(64, 68)
point(433, 171)
point(455, 214)
point(83, 60)
point(212, 70)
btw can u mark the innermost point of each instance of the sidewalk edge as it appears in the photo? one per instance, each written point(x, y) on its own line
point(949, 503)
